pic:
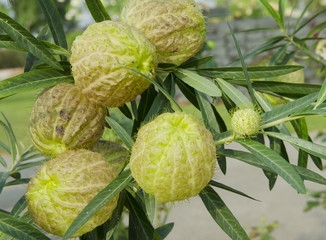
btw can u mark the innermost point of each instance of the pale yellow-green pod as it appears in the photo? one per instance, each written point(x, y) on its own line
point(174, 157)
point(176, 27)
point(62, 118)
point(99, 57)
point(63, 187)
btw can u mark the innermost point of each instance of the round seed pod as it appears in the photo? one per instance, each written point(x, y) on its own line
point(173, 157)
point(245, 122)
point(62, 118)
point(63, 186)
point(115, 154)
point(98, 58)
point(175, 27)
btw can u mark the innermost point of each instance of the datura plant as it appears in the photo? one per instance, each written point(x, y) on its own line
point(111, 140)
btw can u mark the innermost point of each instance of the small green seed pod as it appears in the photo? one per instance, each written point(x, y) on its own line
point(98, 58)
point(245, 122)
point(173, 157)
point(175, 27)
point(62, 118)
point(63, 186)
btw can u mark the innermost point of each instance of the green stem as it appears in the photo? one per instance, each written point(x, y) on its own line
point(282, 120)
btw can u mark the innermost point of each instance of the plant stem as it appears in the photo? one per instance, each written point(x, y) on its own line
point(282, 120)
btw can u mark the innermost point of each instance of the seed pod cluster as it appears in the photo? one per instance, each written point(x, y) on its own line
point(173, 157)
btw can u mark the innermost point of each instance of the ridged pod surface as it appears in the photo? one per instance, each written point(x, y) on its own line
point(115, 154)
point(63, 186)
point(62, 118)
point(173, 157)
point(175, 27)
point(99, 55)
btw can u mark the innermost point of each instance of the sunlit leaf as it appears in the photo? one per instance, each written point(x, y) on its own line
point(120, 131)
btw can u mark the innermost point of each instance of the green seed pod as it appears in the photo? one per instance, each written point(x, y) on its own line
point(173, 157)
point(175, 27)
point(245, 122)
point(63, 186)
point(321, 49)
point(98, 58)
point(116, 155)
point(62, 118)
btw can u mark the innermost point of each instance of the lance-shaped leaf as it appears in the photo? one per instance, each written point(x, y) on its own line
point(258, 72)
point(99, 201)
point(198, 82)
point(233, 93)
point(289, 108)
point(273, 13)
point(97, 10)
point(249, 158)
point(194, 62)
point(54, 21)
point(275, 162)
point(19, 207)
point(316, 29)
point(27, 41)
point(321, 95)
point(222, 215)
point(19, 229)
point(164, 230)
point(312, 148)
point(120, 131)
point(32, 80)
point(3, 179)
point(140, 228)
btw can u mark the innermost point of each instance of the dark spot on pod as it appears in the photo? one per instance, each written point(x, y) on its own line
point(168, 24)
point(59, 130)
point(65, 116)
point(175, 50)
point(184, 19)
point(53, 96)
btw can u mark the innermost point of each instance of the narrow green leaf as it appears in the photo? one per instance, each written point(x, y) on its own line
point(164, 230)
point(97, 10)
point(244, 67)
point(19, 207)
point(188, 92)
point(120, 131)
point(3, 179)
point(125, 110)
point(194, 62)
point(53, 18)
point(288, 108)
point(3, 162)
point(27, 41)
point(310, 110)
point(222, 215)
point(249, 158)
point(143, 229)
point(272, 12)
point(301, 128)
point(17, 182)
point(32, 80)
point(312, 18)
point(275, 162)
point(116, 215)
point(150, 206)
point(301, 16)
point(19, 229)
point(317, 29)
point(166, 94)
point(312, 148)
point(207, 113)
point(322, 95)
point(198, 82)
point(227, 188)
point(99, 201)
point(233, 93)
point(23, 166)
point(281, 8)
point(11, 139)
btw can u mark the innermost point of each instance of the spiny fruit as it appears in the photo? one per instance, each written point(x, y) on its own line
point(98, 58)
point(115, 154)
point(64, 185)
point(175, 27)
point(173, 157)
point(62, 118)
point(245, 121)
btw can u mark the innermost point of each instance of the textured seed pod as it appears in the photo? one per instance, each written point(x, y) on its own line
point(62, 118)
point(173, 157)
point(175, 27)
point(245, 122)
point(63, 186)
point(99, 55)
point(321, 49)
point(116, 155)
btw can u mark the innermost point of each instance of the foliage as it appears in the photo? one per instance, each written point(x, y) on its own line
point(202, 85)
point(263, 231)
